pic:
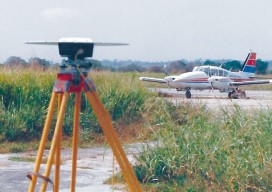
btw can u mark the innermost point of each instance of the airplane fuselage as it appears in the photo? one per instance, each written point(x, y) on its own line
point(212, 77)
point(199, 78)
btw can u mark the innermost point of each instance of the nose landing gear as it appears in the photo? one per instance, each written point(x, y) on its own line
point(188, 94)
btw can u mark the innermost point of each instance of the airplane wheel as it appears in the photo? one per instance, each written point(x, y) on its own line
point(188, 94)
point(233, 95)
point(229, 95)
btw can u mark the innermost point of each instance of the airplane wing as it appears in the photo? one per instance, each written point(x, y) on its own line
point(150, 79)
point(257, 82)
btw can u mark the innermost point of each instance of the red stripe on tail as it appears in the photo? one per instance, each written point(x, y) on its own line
point(251, 60)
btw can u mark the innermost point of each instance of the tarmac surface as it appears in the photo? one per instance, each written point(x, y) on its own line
point(95, 165)
point(215, 100)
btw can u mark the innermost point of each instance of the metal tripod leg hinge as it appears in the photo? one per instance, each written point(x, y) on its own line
point(64, 85)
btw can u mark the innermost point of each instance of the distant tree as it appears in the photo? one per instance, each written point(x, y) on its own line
point(233, 65)
point(14, 60)
point(155, 69)
point(189, 66)
point(261, 66)
point(131, 67)
point(96, 64)
point(209, 62)
point(176, 66)
point(37, 62)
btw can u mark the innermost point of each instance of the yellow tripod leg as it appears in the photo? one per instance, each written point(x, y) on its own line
point(75, 139)
point(55, 138)
point(109, 132)
point(58, 151)
point(43, 141)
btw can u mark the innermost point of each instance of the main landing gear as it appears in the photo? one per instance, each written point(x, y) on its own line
point(237, 94)
point(188, 94)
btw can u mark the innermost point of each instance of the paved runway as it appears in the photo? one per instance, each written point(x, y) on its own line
point(94, 166)
point(256, 99)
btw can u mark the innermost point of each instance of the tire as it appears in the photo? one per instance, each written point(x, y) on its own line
point(188, 94)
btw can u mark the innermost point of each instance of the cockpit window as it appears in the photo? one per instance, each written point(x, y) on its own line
point(196, 69)
point(207, 71)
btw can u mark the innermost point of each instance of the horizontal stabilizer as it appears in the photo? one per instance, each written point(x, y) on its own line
point(150, 79)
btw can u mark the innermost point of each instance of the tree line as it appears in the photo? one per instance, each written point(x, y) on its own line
point(172, 67)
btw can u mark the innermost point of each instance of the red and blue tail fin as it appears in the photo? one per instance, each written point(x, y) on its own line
point(249, 65)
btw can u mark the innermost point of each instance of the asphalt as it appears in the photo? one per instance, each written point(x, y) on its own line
point(256, 99)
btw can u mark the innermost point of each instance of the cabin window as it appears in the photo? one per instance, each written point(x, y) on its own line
point(226, 74)
point(214, 72)
point(221, 73)
point(196, 69)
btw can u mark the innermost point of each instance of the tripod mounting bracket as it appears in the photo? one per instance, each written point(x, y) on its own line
point(72, 82)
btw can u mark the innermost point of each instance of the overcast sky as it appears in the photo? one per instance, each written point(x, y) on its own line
point(157, 30)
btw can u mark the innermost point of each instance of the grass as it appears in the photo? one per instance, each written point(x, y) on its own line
point(200, 153)
point(191, 151)
point(25, 95)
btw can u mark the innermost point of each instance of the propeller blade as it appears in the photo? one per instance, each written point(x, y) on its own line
point(165, 70)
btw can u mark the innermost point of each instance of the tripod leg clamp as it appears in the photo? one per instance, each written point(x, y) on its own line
point(46, 179)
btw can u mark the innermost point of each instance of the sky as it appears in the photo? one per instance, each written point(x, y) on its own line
point(156, 30)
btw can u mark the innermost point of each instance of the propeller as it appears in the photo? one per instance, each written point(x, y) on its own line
point(166, 74)
point(165, 70)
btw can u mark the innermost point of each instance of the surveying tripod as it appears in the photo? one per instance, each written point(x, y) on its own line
point(75, 81)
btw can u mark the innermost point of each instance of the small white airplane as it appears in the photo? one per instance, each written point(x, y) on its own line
point(212, 77)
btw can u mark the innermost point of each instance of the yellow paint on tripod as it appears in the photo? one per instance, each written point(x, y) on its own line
point(43, 141)
point(58, 151)
point(55, 138)
point(75, 139)
point(106, 124)
point(109, 132)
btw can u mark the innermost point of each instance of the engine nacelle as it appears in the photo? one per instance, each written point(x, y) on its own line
point(218, 82)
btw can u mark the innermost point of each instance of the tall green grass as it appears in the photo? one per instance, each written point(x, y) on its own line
point(25, 96)
point(195, 152)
